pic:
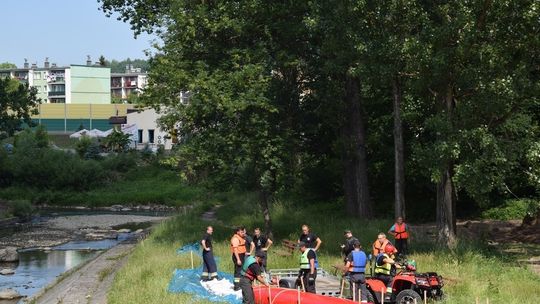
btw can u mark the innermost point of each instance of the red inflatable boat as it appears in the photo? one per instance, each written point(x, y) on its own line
point(277, 295)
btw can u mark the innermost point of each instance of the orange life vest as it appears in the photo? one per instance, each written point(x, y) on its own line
point(378, 247)
point(241, 244)
point(401, 231)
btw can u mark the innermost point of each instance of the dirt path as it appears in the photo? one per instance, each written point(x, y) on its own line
point(91, 282)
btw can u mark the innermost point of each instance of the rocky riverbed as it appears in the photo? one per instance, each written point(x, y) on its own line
point(53, 231)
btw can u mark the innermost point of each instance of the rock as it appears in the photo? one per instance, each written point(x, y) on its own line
point(7, 271)
point(81, 208)
point(125, 209)
point(9, 294)
point(139, 231)
point(97, 235)
point(125, 230)
point(117, 207)
point(9, 254)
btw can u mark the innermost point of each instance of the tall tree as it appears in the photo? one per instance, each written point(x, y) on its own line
point(18, 103)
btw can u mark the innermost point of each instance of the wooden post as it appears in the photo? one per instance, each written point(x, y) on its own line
point(353, 291)
point(269, 294)
point(303, 285)
point(382, 296)
point(192, 265)
point(487, 300)
point(425, 296)
point(360, 295)
point(342, 287)
point(299, 297)
point(415, 302)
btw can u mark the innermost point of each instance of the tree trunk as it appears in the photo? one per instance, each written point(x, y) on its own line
point(264, 200)
point(446, 201)
point(399, 170)
point(355, 178)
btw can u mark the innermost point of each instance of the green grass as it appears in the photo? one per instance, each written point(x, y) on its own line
point(472, 271)
point(142, 185)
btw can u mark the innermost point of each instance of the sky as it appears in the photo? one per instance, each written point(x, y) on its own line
point(66, 31)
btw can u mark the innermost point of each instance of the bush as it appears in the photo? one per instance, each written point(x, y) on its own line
point(513, 209)
point(22, 209)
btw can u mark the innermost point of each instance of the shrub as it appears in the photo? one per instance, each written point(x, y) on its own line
point(20, 208)
point(87, 148)
point(511, 210)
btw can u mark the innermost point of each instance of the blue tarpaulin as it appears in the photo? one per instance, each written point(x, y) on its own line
point(188, 280)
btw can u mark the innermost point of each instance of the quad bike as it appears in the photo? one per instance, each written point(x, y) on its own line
point(407, 286)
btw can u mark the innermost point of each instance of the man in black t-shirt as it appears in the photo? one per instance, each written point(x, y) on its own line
point(348, 246)
point(250, 246)
point(309, 238)
point(262, 243)
point(251, 271)
point(209, 264)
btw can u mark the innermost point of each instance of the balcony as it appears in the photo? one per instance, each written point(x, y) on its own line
point(57, 93)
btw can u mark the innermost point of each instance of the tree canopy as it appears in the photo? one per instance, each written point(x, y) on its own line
point(342, 98)
point(18, 103)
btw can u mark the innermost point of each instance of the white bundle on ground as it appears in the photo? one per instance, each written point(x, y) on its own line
point(221, 287)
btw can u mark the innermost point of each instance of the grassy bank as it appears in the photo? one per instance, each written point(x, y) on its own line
point(147, 184)
point(472, 271)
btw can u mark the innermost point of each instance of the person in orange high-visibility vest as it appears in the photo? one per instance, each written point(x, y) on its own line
point(380, 243)
point(400, 230)
point(238, 250)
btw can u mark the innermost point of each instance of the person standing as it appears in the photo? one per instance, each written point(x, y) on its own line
point(355, 265)
point(348, 246)
point(308, 268)
point(251, 271)
point(209, 263)
point(238, 250)
point(309, 238)
point(250, 246)
point(400, 230)
point(262, 244)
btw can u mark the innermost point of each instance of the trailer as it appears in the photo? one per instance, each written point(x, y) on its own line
point(326, 284)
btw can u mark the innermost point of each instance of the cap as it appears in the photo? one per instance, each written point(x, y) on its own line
point(301, 244)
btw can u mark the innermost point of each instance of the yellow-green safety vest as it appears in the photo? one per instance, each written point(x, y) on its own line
point(304, 261)
point(385, 267)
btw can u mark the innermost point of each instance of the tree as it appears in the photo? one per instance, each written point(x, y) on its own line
point(18, 103)
point(7, 65)
point(102, 61)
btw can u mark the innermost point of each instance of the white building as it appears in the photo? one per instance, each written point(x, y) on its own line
point(148, 130)
point(133, 81)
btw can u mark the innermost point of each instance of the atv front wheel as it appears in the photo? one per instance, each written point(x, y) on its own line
point(408, 296)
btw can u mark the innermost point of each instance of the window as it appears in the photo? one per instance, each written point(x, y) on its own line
point(140, 134)
point(151, 136)
point(37, 76)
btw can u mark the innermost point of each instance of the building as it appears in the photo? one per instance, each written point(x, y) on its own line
point(73, 84)
point(133, 81)
point(148, 131)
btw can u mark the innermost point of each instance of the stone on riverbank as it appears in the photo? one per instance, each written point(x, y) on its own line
point(125, 230)
point(9, 254)
point(7, 271)
point(9, 294)
point(101, 234)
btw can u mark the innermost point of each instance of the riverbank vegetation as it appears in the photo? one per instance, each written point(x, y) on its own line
point(471, 270)
point(36, 172)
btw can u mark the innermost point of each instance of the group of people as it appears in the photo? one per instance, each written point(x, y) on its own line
point(249, 256)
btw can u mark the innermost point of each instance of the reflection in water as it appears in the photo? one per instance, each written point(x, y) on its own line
point(37, 269)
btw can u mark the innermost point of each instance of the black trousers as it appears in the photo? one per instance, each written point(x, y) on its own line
point(238, 269)
point(209, 265)
point(310, 286)
point(401, 246)
point(387, 279)
point(248, 297)
point(358, 282)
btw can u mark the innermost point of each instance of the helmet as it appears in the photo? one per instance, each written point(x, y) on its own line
point(389, 249)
